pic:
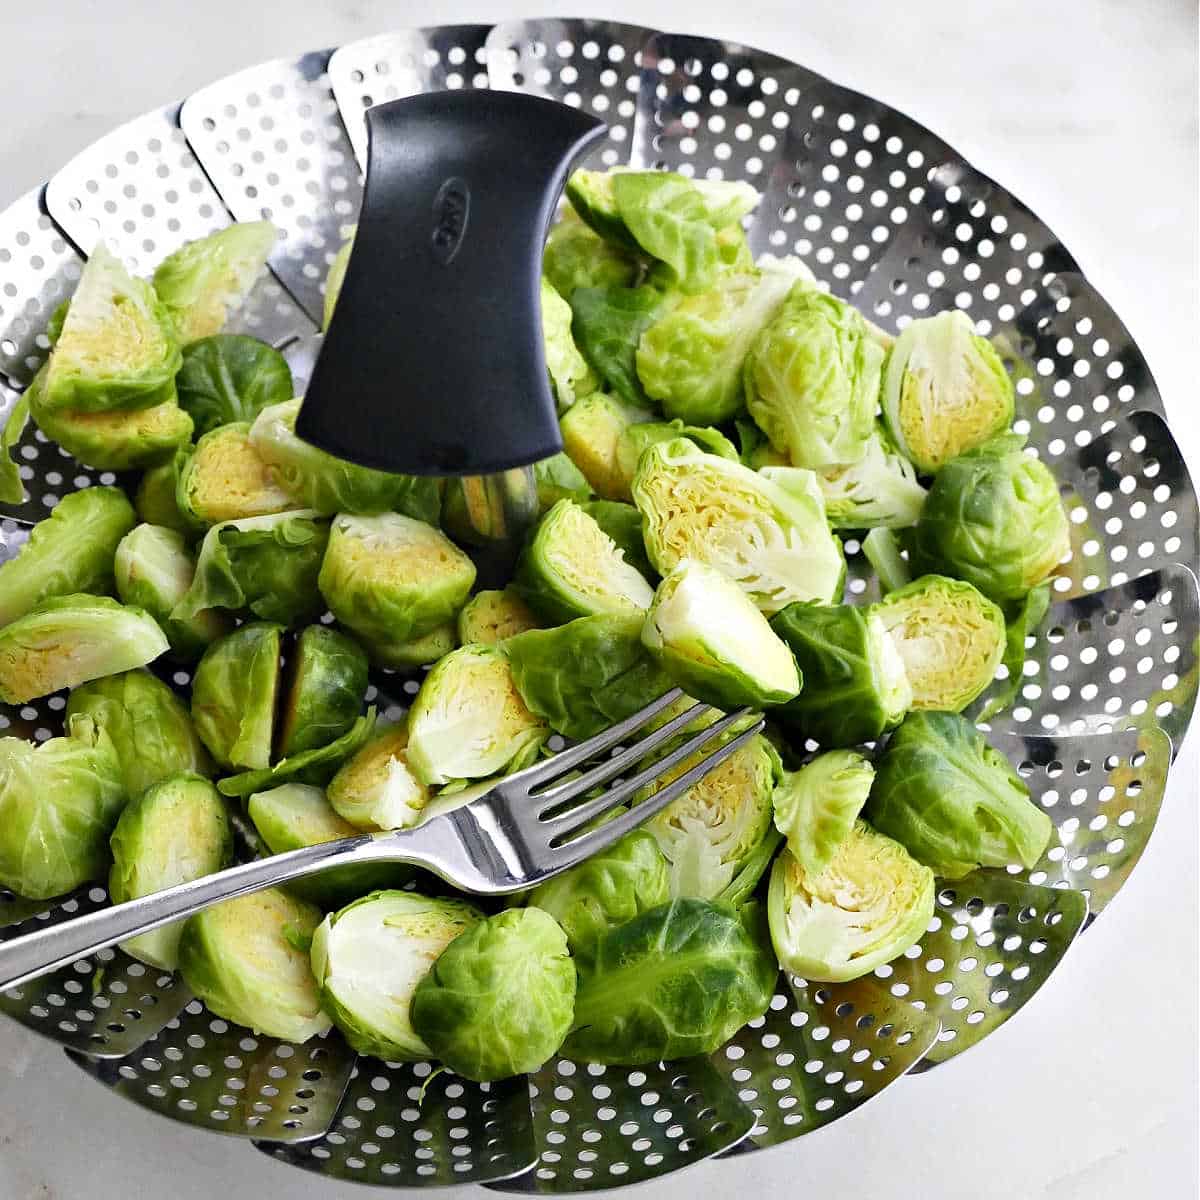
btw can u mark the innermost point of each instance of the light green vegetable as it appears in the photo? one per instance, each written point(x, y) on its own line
point(12, 489)
point(156, 499)
point(592, 430)
point(878, 491)
point(558, 478)
point(883, 551)
point(420, 652)
point(608, 323)
point(494, 616)
point(570, 375)
point(623, 523)
point(637, 439)
point(229, 378)
point(336, 276)
point(328, 679)
point(226, 479)
point(1028, 616)
point(816, 806)
point(575, 258)
point(591, 196)
point(376, 788)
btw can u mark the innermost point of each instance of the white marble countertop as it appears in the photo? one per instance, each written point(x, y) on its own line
point(1087, 111)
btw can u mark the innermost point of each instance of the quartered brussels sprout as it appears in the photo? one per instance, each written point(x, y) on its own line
point(623, 523)
point(950, 636)
point(494, 616)
point(767, 534)
point(247, 960)
point(678, 980)
point(173, 832)
point(953, 801)
point(12, 488)
point(71, 639)
point(570, 375)
point(945, 390)
point(58, 802)
point(70, 551)
point(608, 325)
point(575, 257)
point(226, 479)
point(391, 579)
point(587, 675)
point(149, 726)
point(592, 431)
point(419, 652)
point(229, 379)
point(469, 721)
point(117, 348)
point(855, 686)
point(325, 690)
point(993, 518)
point(498, 999)
point(571, 568)
point(878, 491)
point(336, 276)
point(870, 904)
point(709, 637)
point(204, 281)
point(369, 959)
point(233, 695)
point(816, 806)
point(155, 569)
point(812, 380)
point(376, 788)
point(156, 499)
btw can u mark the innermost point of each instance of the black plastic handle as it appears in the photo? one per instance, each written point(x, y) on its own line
point(433, 363)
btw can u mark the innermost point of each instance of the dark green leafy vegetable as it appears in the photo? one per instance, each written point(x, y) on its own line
point(608, 323)
point(328, 679)
point(230, 377)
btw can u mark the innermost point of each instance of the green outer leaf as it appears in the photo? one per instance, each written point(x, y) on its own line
point(12, 489)
point(608, 323)
point(1030, 613)
point(741, 888)
point(570, 375)
point(816, 806)
point(558, 478)
point(328, 680)
point(575, 257)
point(882, 549)
point(667, 217)
point(230, 377)
point(156, 501)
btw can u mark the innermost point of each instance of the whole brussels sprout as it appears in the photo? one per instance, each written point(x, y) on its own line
point(575, 257)
point(376, 789)
point(570, 375)
point(325, 690)
point(70, 551)
point(498, 1000)
point(816, 806)
point(994, 518)
point(173, 832)
point(878, 491)
point(494, 616)
point(608, 323)
point(156, 499)
point(870, 904)
point(226, 479)
point(229, 378)
point(58, 803)
point(945, 390)
point(369, 959)
point(337, 275)
point(592, 429)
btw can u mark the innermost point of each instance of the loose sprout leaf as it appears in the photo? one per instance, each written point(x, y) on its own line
point(376, 788)
point(1029, 615)
point(229, 377)
point(570, 375)
point(883, 551)
point(608, 323)
point(558, 478)
point(336, 277)
point(816, 806)
point(12, 489)
point(878, 491)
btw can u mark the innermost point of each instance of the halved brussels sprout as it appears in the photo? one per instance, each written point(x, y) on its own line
point(247, 960)
point(58, 802)
point(945, 390)
point(157, 501)
point(327, 682)
point(950, 636)
point(370, 957)
point(233, 695)
point(203, 281)
point(994, 518)
point(855, 687)
point(558, 478)
point(591, 196)
point(494, 616)
point(173, 832)
point(575, 257)
point(592, 429)
point(376, 788)
point(499, 998)
point(226, 479)
point(148, 724)
point(637, 439)
point(392, 579)
point(469, 721)
point(608, 323)
point(337, 275)
point(571, 568)
point(570, 374)
point(230, 378)
point(117, 348)
point(878, 491)
point(1022, 621)
point(708, 636)
point(155, 569)
point(70, 639)
point(70, 551)
point(865, 908)
point(12, 488)
point(767, 534)
point(812, 380)
point(623, 523)
point(816, 806)
point(420, 652)
point(952, 800)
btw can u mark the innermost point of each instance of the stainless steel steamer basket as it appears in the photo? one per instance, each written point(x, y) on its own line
point(897, 221)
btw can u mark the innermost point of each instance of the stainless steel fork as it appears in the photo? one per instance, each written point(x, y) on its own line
point(528, 827)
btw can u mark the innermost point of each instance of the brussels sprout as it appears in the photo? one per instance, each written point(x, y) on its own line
point(376, 788)
point(637, 439)
point(148, 725)
point(608, 323)
point(950, 637)
point(498, 1000)
point(12, 489)
point(570, 375)
point(328, 679)
point(953, 801)
point(117, 349)
point(230, 378)
point(71, 639)
point(855, 687)
point(812, 380)
point(623, 523)
point(233, 695)
point(331, 485)
point(733, 251)
point(558, 478)
point(585, 676)
point(575, 257)
point(369, 958)
point(70, 551)
point(993, 518)
point(882, 550)
point(269, 565)
point(203, 281)
point(878, 491)
point(226, 479)
point(691, 359)
point(294, 815)
point(709, 637)
point(945, 390)
point(816, 806)
point(1027, 617)
point(155, 569)
point(571, 568)
point(58, 802)
point(591, 196)
point(678, 980)
point(870, 904)
point(592, 430)
point(494, 616)
point(156, 500)
point(769, 535)
point(173, 832)
point(469, 721)
point(420, 652)
point(247, 960)
point(390, 579)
